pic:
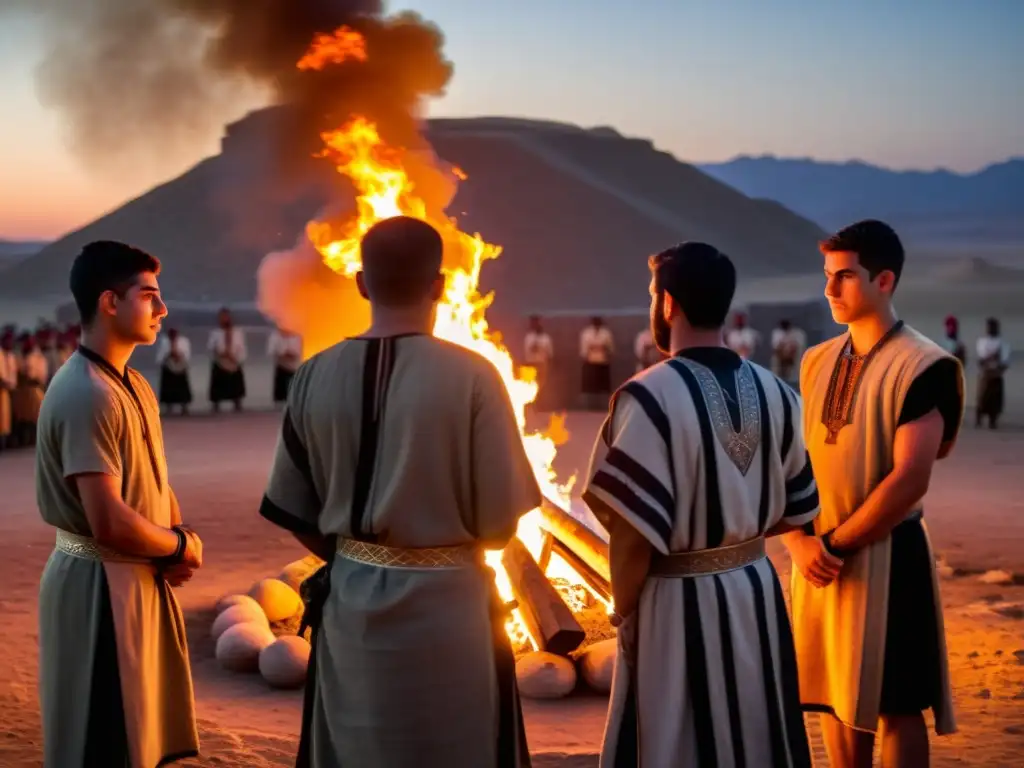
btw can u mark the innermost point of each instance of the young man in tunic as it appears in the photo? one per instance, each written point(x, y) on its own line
point(881, 404)
point(700, 460)
point(399, 463)
point(115, 686)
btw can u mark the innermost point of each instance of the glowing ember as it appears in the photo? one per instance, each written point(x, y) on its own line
point(383, 189)
point(344, 45)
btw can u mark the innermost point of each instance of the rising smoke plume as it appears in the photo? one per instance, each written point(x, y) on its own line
point(133, 77)
point(150, 77)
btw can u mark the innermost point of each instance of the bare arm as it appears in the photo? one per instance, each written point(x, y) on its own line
point(915, 450)
point(320, 546)
point(630, 559)
point(783, 527)
point(116, 525)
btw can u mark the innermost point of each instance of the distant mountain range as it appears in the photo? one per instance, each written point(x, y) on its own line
point(13, 251)
point(929, 207)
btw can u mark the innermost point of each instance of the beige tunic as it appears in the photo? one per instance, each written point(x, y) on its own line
point(840, 630)
point(90, 423)
point(406, 670)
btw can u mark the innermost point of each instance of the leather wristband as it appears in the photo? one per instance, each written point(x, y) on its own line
point(179, 553)
point(826, 541)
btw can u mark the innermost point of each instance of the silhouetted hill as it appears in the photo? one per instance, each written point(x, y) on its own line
point(577, 213)
point(930, 206)
point(14, 251)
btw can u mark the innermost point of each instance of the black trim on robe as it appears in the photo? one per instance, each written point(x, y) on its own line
point(715, 521)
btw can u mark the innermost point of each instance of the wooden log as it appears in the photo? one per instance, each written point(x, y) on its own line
point(547, 617)
point(600, 586)
point(583, 542)
point(544, 558)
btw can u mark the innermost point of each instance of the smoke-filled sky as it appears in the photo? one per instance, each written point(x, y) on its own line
point(900, 83)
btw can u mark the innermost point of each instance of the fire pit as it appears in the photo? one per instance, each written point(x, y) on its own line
point(555, 573)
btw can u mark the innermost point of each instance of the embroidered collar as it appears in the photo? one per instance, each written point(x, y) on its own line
point(847, 374)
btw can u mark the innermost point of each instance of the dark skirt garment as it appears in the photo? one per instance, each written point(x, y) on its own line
point(106, 741)
point(175, 388)
point(512, 748)
point(990, 395)
point(282, 380)
point(597, 379)
point(226, 385)
point(911, 681)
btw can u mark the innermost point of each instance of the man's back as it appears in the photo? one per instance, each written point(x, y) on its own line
point(434, 417)
point(405, 448)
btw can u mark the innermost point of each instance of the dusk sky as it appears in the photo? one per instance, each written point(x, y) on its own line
point(903, 83)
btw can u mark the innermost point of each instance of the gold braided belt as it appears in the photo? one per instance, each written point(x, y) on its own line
point(400, 557)
point(87, 549)
point(704, 562)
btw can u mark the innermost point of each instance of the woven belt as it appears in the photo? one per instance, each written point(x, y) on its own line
point(87, 549)
point(399, 557)
point(704, 562)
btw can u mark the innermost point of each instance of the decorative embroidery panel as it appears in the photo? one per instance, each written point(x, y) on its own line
point(739, 446)
point(837, 410)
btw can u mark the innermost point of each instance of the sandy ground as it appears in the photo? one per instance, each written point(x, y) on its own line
point(218, 467)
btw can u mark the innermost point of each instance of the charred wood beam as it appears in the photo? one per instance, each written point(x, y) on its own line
point(546, 615)
point(544, 558)
point(588, 547)
point(599, 585)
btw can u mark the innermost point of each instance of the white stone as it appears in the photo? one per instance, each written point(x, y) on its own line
point(229, 600)
point(283, 663)
point(243, 613)
point(296, 572)
point(277, 599)
point(597, 663)
point(545, 676)
point(996, 577)
point(238, 649)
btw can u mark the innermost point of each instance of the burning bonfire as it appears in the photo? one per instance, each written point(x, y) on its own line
point(556, 570)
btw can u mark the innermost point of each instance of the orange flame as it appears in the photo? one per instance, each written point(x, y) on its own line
point(343, 45)
point(383, 190)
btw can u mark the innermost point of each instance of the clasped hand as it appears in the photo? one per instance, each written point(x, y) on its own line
point(192, 559)
point(814, 562)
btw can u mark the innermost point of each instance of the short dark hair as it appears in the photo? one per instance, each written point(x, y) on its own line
point(401, 259)
point(700, 278)
point(876, 244)
point(106, 265)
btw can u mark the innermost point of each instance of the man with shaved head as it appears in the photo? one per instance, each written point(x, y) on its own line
point(399, 463)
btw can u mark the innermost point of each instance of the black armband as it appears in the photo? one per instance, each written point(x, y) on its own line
point(826, 541)
point(179, 553)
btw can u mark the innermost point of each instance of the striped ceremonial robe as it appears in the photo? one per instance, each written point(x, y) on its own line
point(699, 452)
